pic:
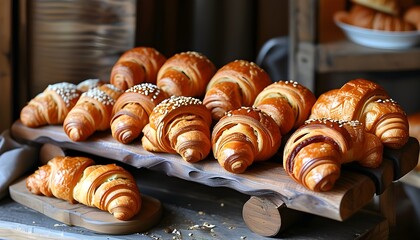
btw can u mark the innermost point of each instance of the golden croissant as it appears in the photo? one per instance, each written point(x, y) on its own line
point(244, 136)
point(180, 125)
point(92, 112)
point(287, 102)
point(135, 66)
point(186, 74)
point(132, 109)
point(77, 179)
point(234, 85)
point(315, 151)
point(51, 106)
point(369, 103)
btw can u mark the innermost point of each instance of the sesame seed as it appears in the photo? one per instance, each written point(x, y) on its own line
point(67, 91)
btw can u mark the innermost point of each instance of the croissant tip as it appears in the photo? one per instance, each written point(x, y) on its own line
point(190, 155)
point(238, 167)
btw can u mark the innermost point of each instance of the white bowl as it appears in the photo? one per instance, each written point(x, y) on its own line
point(376, 38)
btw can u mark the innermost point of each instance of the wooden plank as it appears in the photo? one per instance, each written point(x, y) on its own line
point(6, 64)
point(345, 56)
point(88, 217)
point(351, 192)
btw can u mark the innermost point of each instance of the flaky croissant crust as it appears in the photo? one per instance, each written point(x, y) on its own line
point(179, 124)
point(186, 74)
point(77, 179)
point(315, 151)
point(243, 136)
point(369, 103)
point(131, 111)
point(287, 102)
point(51, 106)
point(244, 80)
point(135, 66)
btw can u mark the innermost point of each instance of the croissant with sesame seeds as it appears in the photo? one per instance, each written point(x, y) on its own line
point(234, 85)
point(287, 102)
point(136, 65)
point(186, 74)
point(181, 125)
point(369, 103)
point(244, 136)
point(132, 109)
point(92, 112)
point(314, 153)
point(50, 106)
point(79, 180)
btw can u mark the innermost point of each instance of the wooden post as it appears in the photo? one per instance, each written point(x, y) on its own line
point(268, 216)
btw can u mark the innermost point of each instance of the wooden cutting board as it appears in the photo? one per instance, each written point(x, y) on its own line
point(88, 217)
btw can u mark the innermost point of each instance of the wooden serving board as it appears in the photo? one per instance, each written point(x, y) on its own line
point(88, 217)
point(352, 191)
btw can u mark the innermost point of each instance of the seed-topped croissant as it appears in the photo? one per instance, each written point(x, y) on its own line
point(180, 125)
point(77, 179)
point(51, 106)
point(369, 103)
point(234, 85)
point(287, 102)
point(137, 65)
point(132, 109)
point(92, 112)
point(186, 74)
point(314, 152)
point(244, 136)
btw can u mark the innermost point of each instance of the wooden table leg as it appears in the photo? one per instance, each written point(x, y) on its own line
point(268, 216)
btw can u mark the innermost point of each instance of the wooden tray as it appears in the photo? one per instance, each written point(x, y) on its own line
point(352, 191)
point(88, 217)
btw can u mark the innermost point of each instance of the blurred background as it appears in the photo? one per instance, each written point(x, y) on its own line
point(49, 41)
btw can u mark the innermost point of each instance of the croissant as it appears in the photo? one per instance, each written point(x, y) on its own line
point(414, 131)
point(315, 151)
point(87, 84)
point(412, 15)
point(77, 179)
point(369, 103)
point(92, 112)
point(180, 125)
point(364, 17)
point(51, 106)
point(244, 136)
point(132, 109)
point(287, 102)
point(392, 7)
point(137, 65)
point(186, 74)
point(234, 85)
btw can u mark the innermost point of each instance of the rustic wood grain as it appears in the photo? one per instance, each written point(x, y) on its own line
point(88, 217)
point(352, 191)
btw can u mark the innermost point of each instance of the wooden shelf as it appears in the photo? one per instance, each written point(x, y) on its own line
point(352, 191)
point(346, 56)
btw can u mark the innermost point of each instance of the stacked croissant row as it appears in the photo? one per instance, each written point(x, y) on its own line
point(385, 15)
point(184, 105)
